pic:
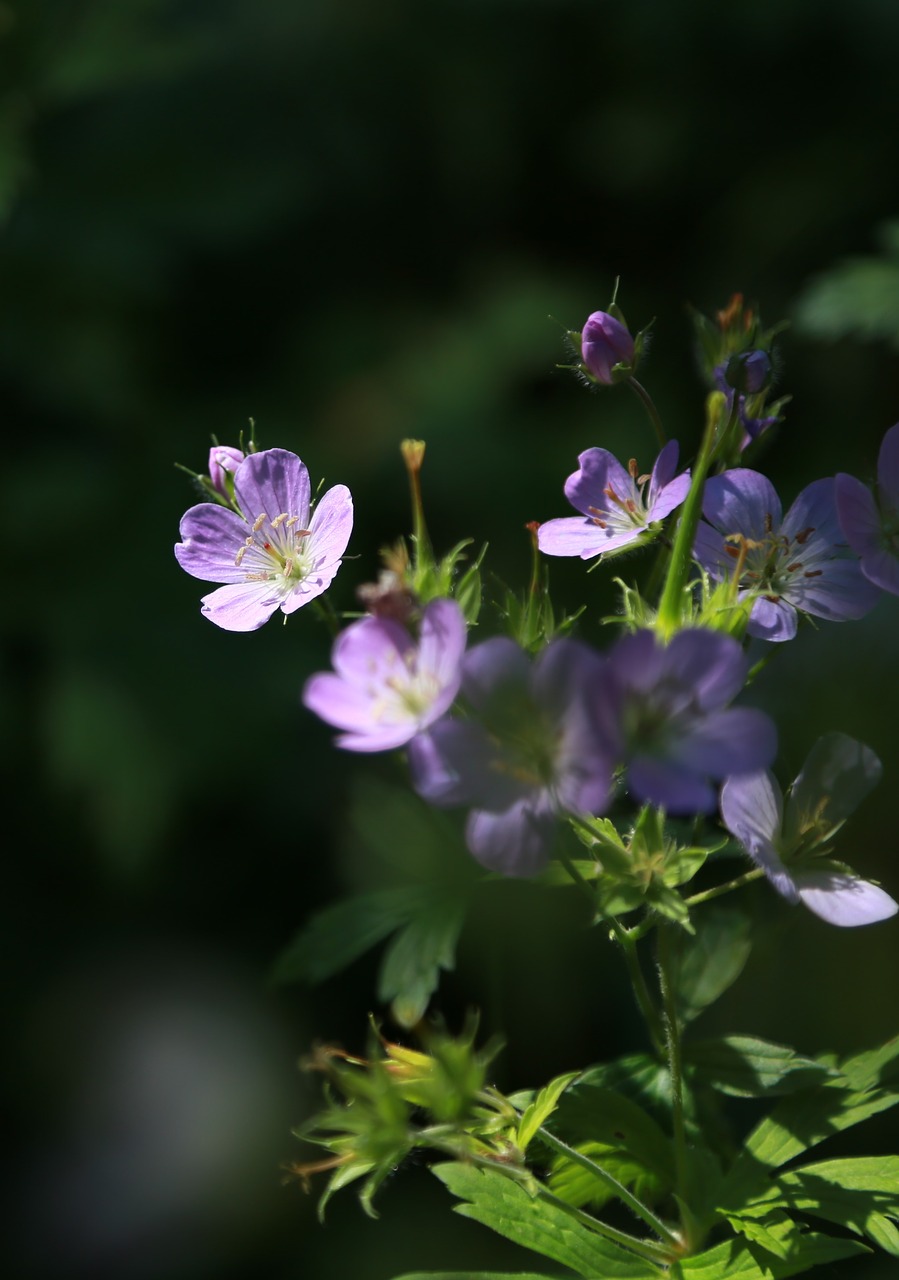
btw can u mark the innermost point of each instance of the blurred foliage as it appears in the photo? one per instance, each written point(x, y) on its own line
point(355, 223)
point(858, 298)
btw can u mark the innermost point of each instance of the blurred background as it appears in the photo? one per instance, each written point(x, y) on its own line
point(353, 222)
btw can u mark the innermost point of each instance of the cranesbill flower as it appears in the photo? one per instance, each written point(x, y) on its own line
point(531, 751)
point(279, 554)
point(617, 505)
point(677, 734)
point(605, 342)
point(752, 808)
point(870, 521)
point(387, 687)
point(798, 563)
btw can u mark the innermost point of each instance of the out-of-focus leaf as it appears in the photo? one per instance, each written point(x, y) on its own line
point(746, 1067)
point(712, 961)
point(410, 970)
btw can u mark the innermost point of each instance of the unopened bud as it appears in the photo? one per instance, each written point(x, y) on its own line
point(748, 372)
point(605, 342)
point(223, 458)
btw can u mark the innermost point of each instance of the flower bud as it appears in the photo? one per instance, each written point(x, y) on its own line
point(605, 342)
point(222, 459)
point(748, 372)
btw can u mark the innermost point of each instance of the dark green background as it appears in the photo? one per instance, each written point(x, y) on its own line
point(357, 221)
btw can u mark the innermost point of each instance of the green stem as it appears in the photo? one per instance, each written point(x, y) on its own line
point(325, 610)
point(645, 1002)
point(649, 405)
point(643, 1248)
point(675, 1064)
point(728, 887)
point(617, 1188)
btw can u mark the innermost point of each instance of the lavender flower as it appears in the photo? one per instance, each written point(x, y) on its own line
point(617, 506)
point(534, 751)
point(798, 563)
point(745, 376)
point(605, 342)
point(870, 522)
point(275, 555)
point(223, 459)
point(838, 772)
point(385, 687)
point(669, 707)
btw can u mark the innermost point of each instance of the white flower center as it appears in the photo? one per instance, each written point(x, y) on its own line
point(278, 552)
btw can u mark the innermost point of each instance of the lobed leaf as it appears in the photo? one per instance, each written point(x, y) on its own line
point(746, 1067)
point(410, 969)
point(713, 960)
point(542, 1107)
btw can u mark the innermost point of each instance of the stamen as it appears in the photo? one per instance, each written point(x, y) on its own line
point(632, 468)
point(769, 522)
point(804, 536)
point(279, 520)
point(813, 573)
point(259, 522)
point(240, 555)
point(797, 564)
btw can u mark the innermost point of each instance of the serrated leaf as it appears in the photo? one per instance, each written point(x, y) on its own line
point(874, 1067)
point(576, 1185)
point(734, 1260)
point(337, 936)
point(542, 1108)
point(410, 969)
point(592, 1113)
point(762, 1234)
point(713, 960)
point(503, 1205)
point(746, 1067)
point(861, 1194)
point(638, 1076)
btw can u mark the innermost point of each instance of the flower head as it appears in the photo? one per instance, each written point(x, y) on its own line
point(838, 772)
point(870, 521)
point(617, 505)
point(386, 687)
point(668, 705)
point(532, 750)
point(605, 342)
point(798, 563)
point(276, 555)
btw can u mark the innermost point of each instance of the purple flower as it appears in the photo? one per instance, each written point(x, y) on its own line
point(677, 734)
point(386, 687)
point(276, 555)
point(749, 379)
point(533, 750)
point(605, 342)
point(753, 811)
point(871, 523)
point(617, 504)
point(223, 458)
point(798, 563)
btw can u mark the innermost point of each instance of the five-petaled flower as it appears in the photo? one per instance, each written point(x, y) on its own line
point(796, 564)
point(386, 687)
point(667, 707)
point(617, 505)
point(531, 751)
point(871, 523)
point(279, 554)
point(838, 772)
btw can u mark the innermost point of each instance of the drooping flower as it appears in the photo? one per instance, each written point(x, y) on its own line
point(387, 687)
point(838, 772)
point(276, 555)
point(669, 705)
point(223, 459)
point(618, 505)
point(532, 751)
point(870, 521)
point(798, 563)
point(605, 342)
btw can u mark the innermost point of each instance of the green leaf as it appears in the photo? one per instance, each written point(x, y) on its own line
point(542, 1108)
point(876, 1066)
point(591, 1113)
point(474, 1275)
point(410, 969)
point(638, 1076)
point(713, 960)
point(745, 1067)
point(761, 1234)
point(860, 1194)
point(335, 937)
point(735, 1259)
point(576, 1185)
point(496, 1201)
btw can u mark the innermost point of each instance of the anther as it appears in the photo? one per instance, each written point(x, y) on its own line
point(805, 535)
point(813, 573)
point(279, 520)
point(259, 522)
point(632, 468)
point(240, 555)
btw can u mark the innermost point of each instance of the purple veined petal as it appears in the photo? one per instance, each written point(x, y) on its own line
point(839, 592)
point(241, 606)
point(273, 481)
point(742, 501)
point(367, 650)
point(844, 900)
point(598, 470)
point(212, 536)
point(664, 469)
point(517, 841)
point(882, 568)
point(637, 661)
point(311, 586)
point(710, 550)
point(858, 515)
point(337, 701)
point(814, 513)
point(752, 811)
point(888, 467)
point(572, 536)
point(732, 741)
point(492, 668)
point(670, 498)
point(332, 523)
point(443, 636)
point(712, 665)
point(666, 492)
point(666, 784)
point(773, 620)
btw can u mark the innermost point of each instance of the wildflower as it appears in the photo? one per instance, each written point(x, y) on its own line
point(838, 772)
point(870, 521)
point(796, 564)
point(618, 506)
point(275, 555)
point(677, 734)
point(386, 687)
point(533, 750)
point(223, 459)
point(605, 343)
point(746, 376)
point(748, 372)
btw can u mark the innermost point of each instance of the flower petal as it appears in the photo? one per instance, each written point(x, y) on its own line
point(443, 636)
point(742, 501)
point(732, 741)
point(752, 811)
point(858, 515)
point(888, 467)
point(241, 606)
point(273, 481)
point(598, 471)
point(668, 785)
point(773, 620)
point(517, 841)
point(573, 536)
point(844, 900)
point(212, 536)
